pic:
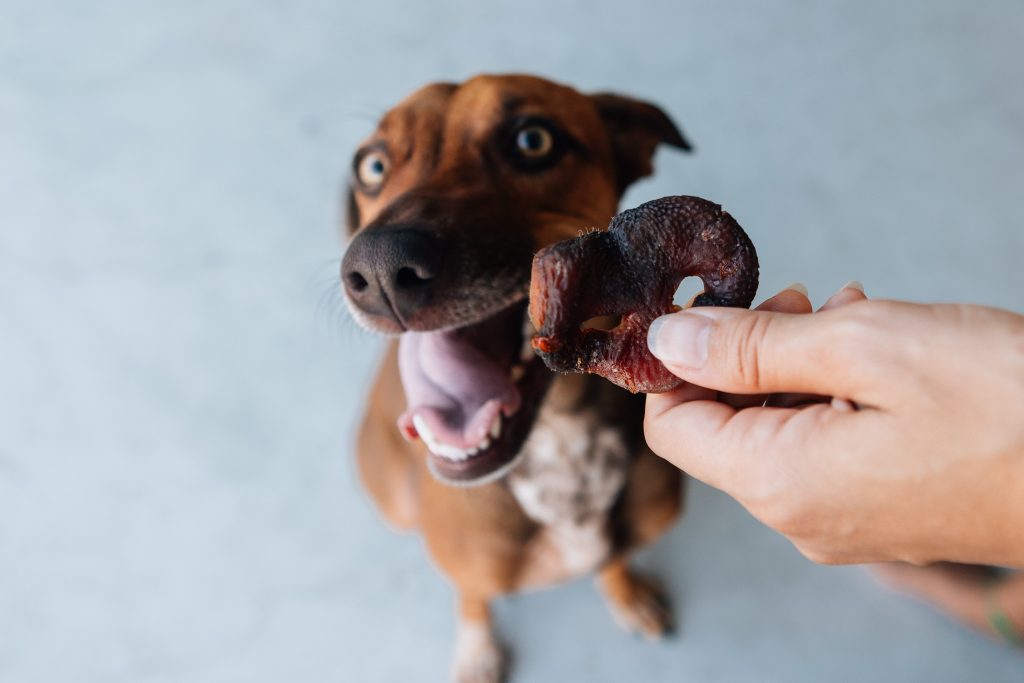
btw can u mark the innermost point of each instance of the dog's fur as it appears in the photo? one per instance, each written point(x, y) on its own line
point(584, 491)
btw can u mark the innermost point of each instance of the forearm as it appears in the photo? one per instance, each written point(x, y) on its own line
point(1016, 500)
point(1010, 497)
point(983, 522)
point(1014, 528)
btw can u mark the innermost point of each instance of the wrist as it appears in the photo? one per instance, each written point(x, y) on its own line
point(1015, 515)
point(1003, 542)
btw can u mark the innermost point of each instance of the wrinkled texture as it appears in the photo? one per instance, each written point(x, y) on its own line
point(632, 270)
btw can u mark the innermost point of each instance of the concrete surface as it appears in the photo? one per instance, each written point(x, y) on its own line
point(179, 383)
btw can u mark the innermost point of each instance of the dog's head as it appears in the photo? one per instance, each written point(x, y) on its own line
point(449, 199)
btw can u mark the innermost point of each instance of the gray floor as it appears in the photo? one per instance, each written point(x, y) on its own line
point(179, 383)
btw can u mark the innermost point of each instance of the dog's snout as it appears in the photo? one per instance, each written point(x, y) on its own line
point(388, 272)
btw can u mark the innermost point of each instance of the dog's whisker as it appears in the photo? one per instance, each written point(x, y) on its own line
point(331, 309)
point(368, 113)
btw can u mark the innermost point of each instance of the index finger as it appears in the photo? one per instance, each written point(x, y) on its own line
point(734, 450)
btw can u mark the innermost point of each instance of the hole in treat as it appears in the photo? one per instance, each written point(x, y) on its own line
point(604, 323)
point(689, 288)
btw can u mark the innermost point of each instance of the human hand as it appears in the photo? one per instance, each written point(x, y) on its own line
point(920, 458)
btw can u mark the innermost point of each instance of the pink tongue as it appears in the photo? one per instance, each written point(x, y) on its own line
point(452, 387)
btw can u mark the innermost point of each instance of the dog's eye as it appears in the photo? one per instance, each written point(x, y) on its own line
point(372, 170)
point(535, 141)
point(533, 144)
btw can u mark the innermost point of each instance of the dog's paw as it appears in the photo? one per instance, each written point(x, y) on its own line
point(478, 656)
point(640, 606)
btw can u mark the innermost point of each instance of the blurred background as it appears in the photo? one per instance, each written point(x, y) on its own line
point(179, 382)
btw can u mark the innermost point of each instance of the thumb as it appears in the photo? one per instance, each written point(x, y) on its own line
point(753, 352)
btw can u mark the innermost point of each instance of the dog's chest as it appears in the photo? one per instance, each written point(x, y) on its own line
point(572, 470)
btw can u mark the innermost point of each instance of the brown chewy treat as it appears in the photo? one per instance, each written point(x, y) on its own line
point(633, 270)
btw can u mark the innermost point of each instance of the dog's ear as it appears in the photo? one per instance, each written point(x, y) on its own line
point(351, 211)
point(635, 129)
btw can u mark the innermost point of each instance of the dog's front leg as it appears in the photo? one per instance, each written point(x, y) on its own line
point(479, 658)
point(638, 603)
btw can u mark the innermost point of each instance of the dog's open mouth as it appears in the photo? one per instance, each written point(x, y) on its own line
point(472, 394)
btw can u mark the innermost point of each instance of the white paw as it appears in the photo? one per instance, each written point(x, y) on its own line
point(478, 657)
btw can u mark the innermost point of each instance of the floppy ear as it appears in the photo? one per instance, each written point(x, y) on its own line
point(351, 211)
point(635, 129)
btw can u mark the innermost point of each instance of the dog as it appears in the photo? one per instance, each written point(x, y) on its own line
point(518, 479)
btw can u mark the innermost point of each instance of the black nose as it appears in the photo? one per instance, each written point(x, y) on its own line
point(388, 272)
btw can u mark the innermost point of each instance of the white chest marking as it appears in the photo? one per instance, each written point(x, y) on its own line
point(572, 469)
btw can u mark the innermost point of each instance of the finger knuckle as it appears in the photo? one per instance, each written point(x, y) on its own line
point(745, 342)
point(796, 516)
point(777, 505)
point(823, 556)
point(793, 520)
point(864, 336)
point(654, 432)
point(856, 330)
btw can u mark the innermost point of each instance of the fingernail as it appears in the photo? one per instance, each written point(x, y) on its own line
point(854, 284)
point(680, 339)
point(799, 287)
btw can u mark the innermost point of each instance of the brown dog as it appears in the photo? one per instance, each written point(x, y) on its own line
point(451, 196)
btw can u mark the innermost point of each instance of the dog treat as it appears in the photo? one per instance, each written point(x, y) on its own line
point(632, 270)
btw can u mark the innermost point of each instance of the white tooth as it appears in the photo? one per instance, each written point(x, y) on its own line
point(484, 445)
point(436, 447)
point(474, 450)
point(423, 430)
point(495, 430)
point(448, 452)
point(516, 373)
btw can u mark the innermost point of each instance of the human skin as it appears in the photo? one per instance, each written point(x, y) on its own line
point(919, 457)
point(968, 593)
